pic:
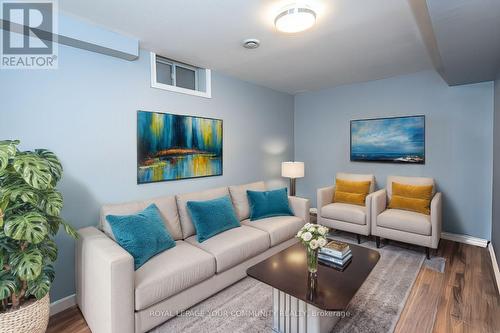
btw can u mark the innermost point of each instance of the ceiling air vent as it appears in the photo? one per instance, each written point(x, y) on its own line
point(251, 43)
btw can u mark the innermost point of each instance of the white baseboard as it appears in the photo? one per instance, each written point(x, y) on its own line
point(466, 239)
point(62, 304)
point(495, 265)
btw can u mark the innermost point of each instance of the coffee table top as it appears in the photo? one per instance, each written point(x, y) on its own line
point(287, 271)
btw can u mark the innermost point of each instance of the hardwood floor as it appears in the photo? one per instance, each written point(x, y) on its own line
point(462, 299)
point(68, 321)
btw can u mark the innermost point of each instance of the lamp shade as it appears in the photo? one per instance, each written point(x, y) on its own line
point(292, 169)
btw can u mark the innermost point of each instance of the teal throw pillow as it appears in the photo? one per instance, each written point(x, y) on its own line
point(268, 204)
point(143, 234)
point(212, 217)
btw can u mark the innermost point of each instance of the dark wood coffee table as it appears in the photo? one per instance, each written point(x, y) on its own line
point(301, 304)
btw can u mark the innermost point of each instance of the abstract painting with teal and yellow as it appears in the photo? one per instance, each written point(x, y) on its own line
point(171, 147)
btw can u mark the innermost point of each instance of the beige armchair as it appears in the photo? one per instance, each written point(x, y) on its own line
point(346, 217)
point(406, 226)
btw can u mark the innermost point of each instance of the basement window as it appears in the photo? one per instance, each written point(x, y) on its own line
point(168, 74)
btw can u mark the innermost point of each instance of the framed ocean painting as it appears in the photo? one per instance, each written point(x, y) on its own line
point(395, 140)
point(173, 147)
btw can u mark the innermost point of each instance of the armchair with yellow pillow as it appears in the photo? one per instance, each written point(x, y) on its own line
point(347, 204)
point(409, 210)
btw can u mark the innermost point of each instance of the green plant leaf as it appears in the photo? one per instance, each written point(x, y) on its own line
point(41, 286)
point(4, 201)
point(7, 284)
point(8, 150)
point(7, 245)
point(53, 162)
point(18, 208)
point(52, 202)
point(48, 270)
point(34, 170)
point(31, 227)
point(69, 229)
point(48, 248)
point(27, 265)
point(17, 189)
point(54, 223)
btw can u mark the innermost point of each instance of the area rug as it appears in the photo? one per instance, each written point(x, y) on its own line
point(377, 305)
point(247, 305)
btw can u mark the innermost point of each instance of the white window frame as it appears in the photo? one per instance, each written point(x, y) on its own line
point(163, 86)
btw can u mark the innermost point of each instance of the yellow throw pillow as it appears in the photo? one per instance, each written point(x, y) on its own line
point(351, 192)
point(415, 198)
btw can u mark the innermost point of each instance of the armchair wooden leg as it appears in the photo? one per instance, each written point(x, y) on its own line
point(428, 252)
point(377, 240)
point(359, 239)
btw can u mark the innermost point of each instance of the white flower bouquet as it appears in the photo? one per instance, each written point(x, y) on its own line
point(313, 237)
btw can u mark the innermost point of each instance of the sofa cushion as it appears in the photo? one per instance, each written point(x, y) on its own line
point(345, 212)
point(404, 220)
point(264, 204)
point(234, 246)
point(182, 199)
point(351, 192)
point(142, 234)
point(171, 272)
point(279, 228)
point(358, 177)
point(415, 198)
point(166, 205)
point(211, 217)
point(421, 181)
point(240, 198)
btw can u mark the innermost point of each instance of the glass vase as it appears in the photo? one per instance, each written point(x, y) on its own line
point(312, 260)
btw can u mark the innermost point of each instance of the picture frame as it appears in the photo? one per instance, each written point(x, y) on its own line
point(399, 139)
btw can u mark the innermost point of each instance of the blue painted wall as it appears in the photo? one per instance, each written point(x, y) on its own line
point(85, 112)
point(459, 134)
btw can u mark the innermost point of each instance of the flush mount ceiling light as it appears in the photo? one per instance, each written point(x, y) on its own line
point(295, 18)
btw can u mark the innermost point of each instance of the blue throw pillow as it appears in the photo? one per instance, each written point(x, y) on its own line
point(212, 217)
point(143, 234)
point(268, 204)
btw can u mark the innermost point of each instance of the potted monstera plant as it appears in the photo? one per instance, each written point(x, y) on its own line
point(30, 207)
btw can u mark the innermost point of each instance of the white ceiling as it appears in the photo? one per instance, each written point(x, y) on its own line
point(353, 40)
point(468, 37)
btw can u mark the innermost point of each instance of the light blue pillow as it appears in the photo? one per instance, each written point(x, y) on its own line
point(143, 234)
point(212, 217)
point(268, 204)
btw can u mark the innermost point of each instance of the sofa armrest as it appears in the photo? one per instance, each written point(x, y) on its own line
point(324, 197)
point(104, 283)
point(300, 207)
point(436, 219)
point(368, 206)
point(379, 204)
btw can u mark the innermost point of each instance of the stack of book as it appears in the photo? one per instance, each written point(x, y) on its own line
point(335, 254)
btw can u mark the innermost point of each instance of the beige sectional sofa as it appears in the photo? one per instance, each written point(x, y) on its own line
point(116, 299)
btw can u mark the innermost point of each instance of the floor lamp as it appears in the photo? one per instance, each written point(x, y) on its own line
point(292, 170)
